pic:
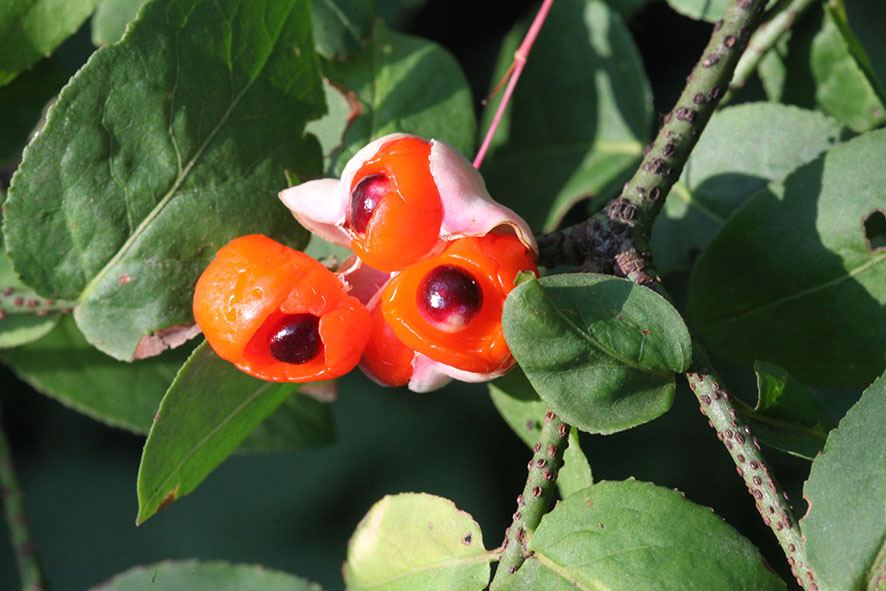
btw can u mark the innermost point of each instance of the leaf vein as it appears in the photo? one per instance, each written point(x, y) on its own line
point(802, 293)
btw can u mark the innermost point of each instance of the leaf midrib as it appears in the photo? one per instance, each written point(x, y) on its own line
point(586, 336)
point(160, 491)
point(180, 179)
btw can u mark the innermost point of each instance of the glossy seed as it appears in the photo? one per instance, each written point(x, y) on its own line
point(365, 198)
point(449, 297)
point(295, 339)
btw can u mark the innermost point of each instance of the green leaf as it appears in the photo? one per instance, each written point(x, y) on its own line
point(785, 69)
point(787, 416)
point(523, 411)
point(158, 152)
point(404, 84)
point(743, 149)
point(341, 27)
point(790, 277)
point(331, 127)
point(19, 321)
point(331, 255)
point(578, 120)
point(845, 528)
point(110, 19)
point(821, 62)
point(195, 575)
point(600, 351)
point(64, 366)
point(417, 541)
point(846, 84)
point(208, 411)
point(31, 29)
point(707, 10)
point(299, 422)
point(623, 536)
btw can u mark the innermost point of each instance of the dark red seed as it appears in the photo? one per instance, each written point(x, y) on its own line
point(365, 198)
point(449, 298)
point(296, 339)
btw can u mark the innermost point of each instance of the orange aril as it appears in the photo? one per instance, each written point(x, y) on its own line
point(490, 265)
point(397, 220)
point(386, 358)
point(256, 288)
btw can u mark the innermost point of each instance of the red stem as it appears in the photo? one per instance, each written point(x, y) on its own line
point(520, 57)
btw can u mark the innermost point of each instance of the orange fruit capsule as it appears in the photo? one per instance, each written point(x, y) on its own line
point(394, 210)
point(386, 359)
point(448, 307)
point(279, 315)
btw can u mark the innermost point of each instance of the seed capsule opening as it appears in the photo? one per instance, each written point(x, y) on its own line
point(295, 339)
point(449, 298)
point(365, 199)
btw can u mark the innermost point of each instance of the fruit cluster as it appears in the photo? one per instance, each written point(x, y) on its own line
point(420, 302)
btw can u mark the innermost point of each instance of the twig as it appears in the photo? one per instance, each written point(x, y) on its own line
point(616, 240)
point(536, 498)
point(512, 75)
point(761, 42)
point(771, 500)
point(619, 234)
point(16, 518)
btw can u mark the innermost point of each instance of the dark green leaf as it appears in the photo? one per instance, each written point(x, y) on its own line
point(31, 29)
point(785, 70)
point(397, 14)
point(600, 351)
point(208, 411)
point(627, 8)
point(791, 279)
point(743, 149)
point(64, 366)
point(820, 62)
point(845, 528)
point(867, 21)
point(523, 411)
point(623, 536)
point(579, 117)
point(341, 27)
point(404, 84)
point(417, 541)
point(158, 152)
point(846, 84)
point(708, 10)
point(110, 19)
point(193, 575)
point(301, 421)
point(787, 416)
